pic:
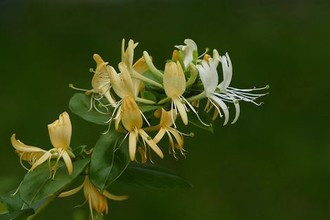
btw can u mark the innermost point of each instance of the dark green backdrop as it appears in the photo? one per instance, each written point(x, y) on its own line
point(274, 163)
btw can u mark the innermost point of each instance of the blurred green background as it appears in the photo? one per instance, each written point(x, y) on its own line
point(274, 163)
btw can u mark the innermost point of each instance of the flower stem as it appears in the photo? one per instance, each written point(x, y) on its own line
point(197, 97)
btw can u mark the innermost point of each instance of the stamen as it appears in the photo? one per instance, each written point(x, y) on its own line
point(194, 110)
point(78, 89)
point(144, 117)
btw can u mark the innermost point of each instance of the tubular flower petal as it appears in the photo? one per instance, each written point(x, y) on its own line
point(174, 85)
point(27, 153)
point(60, 131)
point(132, 121)
point(60, 136)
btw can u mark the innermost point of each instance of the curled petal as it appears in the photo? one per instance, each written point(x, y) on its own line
point(21, 147)
point(237, 110)
point(114, 197)
point(223, 107)
point(227, 69)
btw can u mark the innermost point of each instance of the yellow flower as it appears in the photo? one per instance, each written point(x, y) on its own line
point(132, 121)
point(166, 122)
point(122, 83)
point(60, 136)
point(29, 153)
point(174, 85)
point(127, 56)
point(97, 200)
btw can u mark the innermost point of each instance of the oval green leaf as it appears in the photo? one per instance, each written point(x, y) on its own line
point(37, 186)
point(109, 159)
point(80, 105)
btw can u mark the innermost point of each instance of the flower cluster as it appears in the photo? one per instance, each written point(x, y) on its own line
point(140, 104)
point(187, 79)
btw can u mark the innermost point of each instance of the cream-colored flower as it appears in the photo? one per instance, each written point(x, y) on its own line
point(29, 153)
point(132, 121)
point(121, 82)
point(101, 82)
point(96, 199)
point(174, 82)
point(165, 124)
point(60, 136)
point(174, 85)
point(188, 51)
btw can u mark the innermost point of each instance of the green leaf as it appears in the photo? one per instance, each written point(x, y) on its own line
point(109, 159)
point(37, 186)
point(148, 95)
point(17, 215)
point(79, 151)
point(13, 202)
point(80, 105)
point(153, 177)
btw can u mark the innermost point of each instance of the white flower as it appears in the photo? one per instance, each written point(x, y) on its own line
point(188, 51)
point(219, 94)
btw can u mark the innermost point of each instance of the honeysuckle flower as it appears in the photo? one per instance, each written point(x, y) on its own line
point(96, 199)
point(60, 136)
point(218, 94)
point(127, 56)
point(188, 51)
point(28, 153)
point(132, 121)
point(165, 124)
point(174, 83)
point(101, 82)
point(121, 82)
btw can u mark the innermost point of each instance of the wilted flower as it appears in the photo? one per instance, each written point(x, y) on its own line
point(96, 199)
point(60, 136)
point(165, 127)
